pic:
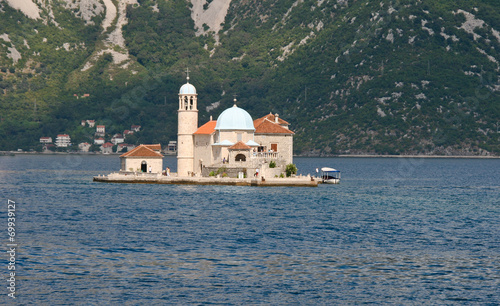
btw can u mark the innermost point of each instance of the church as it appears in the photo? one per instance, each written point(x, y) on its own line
point(234, 145)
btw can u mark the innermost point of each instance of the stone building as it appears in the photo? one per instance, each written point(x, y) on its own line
point(142, 158)
point(234, 143)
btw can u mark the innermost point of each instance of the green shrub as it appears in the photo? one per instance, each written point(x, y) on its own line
point(290, 169)
point(221, 170)
point(272, 164)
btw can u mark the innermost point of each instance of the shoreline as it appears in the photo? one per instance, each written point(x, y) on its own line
point(155, 178)
point(423, 156)
point(13, 153)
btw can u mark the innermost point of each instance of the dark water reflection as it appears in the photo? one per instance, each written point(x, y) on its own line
point(398, 231)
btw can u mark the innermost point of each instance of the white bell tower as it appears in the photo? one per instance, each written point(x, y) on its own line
point(187, 125)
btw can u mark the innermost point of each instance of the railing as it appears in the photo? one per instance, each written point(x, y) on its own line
point(265, 155)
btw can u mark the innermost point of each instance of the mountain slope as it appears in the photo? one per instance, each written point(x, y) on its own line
point(388, 77)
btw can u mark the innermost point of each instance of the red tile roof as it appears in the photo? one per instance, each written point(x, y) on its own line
point(271, 118)
point(155, 147)
point(143, 151)
point(268, 127)
point(206, 129)
point(240, 145)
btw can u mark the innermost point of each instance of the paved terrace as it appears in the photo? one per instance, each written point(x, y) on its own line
point(153, 178)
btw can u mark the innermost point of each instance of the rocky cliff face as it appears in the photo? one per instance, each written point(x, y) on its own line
point(351, 76)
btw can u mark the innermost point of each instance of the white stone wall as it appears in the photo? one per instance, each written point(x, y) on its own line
point(267, 172)
point(284, 142)
point(224, 153)
point(234, 153)
point(134, 163)
point(188, 124)
point(233, 136)
point(217, 155)
point(202, 152)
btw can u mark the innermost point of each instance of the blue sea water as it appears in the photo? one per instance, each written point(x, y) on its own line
point(399, 231)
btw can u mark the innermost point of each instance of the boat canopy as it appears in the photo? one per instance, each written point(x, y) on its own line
point(326, 169)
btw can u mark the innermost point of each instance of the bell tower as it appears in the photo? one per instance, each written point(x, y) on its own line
point(187, 124)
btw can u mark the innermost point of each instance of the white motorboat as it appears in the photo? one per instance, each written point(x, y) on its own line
point(330, 175)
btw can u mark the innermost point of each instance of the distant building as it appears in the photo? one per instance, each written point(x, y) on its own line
point(172, 146)
point(45, 139)
point(127, 132)
point(100, 130)
point(124, 147)
point(63, 141)
point(84, 146)
point(91, 123)
point(83, 122)
point(135, 128)
point(107, 148)
point(142, 158)
point(117, 138)
point(99, 141)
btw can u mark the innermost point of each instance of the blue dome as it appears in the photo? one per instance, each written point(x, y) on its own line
point(187, 89)
point(234, 118)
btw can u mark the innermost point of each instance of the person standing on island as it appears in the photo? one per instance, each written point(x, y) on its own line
point(168, 171)
point(150, 169)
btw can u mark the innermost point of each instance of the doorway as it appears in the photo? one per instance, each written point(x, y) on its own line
point(240, 157)
point(144, 166)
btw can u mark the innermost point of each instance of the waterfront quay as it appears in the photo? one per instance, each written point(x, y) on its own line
point(154, 178)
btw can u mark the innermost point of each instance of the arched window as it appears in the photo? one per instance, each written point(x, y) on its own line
point(144, 166)
point(240, 157)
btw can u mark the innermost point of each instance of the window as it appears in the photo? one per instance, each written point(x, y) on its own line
point(274, 147)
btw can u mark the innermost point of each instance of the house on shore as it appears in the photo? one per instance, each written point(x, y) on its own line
point(100, 130)
point(107, 148)
point(143, 159)
point(124, 146)
point(99, 141)
point(63, 141)
point(45, 140)
point(117, 138)
point(84, 146)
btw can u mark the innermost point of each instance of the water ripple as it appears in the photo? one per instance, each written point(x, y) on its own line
point(379, 237)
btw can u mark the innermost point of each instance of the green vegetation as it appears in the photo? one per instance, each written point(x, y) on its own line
point(290, 169)
point(390, 77)
point(272, 164)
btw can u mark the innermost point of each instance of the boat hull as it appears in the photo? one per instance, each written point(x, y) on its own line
point(331, 181)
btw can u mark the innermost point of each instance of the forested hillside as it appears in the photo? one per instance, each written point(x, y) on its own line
point(351, 77)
